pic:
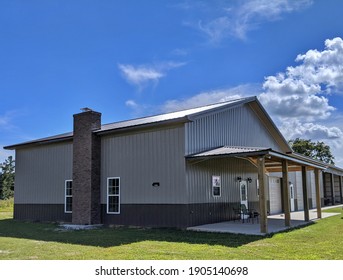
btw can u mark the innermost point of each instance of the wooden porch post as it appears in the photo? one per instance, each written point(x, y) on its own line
point(332, 187)
point(262, 194)
point(305, 196)
point(285, 193)
point(318, 200)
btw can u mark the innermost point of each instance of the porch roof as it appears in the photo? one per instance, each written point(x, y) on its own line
point(273, 158)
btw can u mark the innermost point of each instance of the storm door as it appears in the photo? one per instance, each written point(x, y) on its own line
point(244, 193)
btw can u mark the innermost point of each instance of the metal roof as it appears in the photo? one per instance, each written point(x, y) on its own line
point(228, 150)
point(50, 139)
point(231, 151)
point(184, 115)
point(179, 115)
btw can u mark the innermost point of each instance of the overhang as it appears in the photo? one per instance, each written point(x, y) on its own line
point(273, 159)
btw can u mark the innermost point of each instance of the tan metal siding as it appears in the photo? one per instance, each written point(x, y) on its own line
point(237, 126)
point(199, 180)
point(41, 173)
point(143, 158)
point(310, 189)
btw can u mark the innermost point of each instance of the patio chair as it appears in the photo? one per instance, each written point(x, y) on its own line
point(250, 213)
point(237, 214)
point(254, 214)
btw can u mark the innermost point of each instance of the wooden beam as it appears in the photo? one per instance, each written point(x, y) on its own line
point(262, 194)
point(305, 196)
point(285, 193)
point(279, 169)
point(318, 200)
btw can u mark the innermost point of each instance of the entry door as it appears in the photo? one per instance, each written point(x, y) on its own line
point(244, 192)
point(291, 193)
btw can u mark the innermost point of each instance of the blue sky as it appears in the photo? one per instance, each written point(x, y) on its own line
point(135, 58)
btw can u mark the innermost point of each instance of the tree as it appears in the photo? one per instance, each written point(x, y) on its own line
point(316, 150)
point(7, 178)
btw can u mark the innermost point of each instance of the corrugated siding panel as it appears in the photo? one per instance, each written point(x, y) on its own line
point(233, 127)
point(143, 158)
point(41, 173)
point(199, 180)
point(312, 186)
point(299, 191)
point(327, 182)
point(337, 189)
point(311, 190)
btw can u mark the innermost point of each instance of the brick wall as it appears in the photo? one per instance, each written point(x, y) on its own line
point(86, 169)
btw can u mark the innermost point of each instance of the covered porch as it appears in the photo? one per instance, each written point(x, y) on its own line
point(269, 161)
point(275, 223)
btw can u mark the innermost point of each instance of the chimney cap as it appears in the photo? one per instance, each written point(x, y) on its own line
point(86, 109)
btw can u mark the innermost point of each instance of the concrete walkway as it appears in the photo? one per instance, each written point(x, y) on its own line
point(276, 223)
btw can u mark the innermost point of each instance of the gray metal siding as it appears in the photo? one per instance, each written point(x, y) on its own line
point(142, 158)
point(336, 189)
point(199, 180)
point(41, 173)
point(238, 126)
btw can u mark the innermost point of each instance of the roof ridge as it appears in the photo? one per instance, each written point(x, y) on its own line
point(183, 110)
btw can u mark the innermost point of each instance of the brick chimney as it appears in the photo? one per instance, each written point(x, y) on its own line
point(86, 208)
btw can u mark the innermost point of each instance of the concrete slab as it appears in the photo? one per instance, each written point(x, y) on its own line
point(78, 227)
point(276, 223)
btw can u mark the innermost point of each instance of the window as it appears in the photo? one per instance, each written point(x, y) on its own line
point(113, 195)
point(216, 186)
point(68, 197)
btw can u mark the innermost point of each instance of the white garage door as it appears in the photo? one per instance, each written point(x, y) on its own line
point(275, 195)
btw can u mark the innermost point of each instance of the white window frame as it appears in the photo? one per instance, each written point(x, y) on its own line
point(67, 196)
point(216, 183)
point(109, 195)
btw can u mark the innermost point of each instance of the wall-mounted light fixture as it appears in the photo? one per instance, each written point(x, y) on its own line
point(249, 180)
point(239, 178)
point(156, 184)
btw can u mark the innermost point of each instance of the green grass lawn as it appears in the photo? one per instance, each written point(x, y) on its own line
point(23, 240)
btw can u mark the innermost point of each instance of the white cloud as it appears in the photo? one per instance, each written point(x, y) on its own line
point(237, 18)
point(302, 91)
point(305, 107)
point(179, 52)
point(298, 99)
point(208, 97)
point(140, 75)
point(131, 103)
point(143, 75)
point(3, 121)
point(6, 120)
point(294, 128)
point(323, 68)
point(330, 135)
point(216, 29)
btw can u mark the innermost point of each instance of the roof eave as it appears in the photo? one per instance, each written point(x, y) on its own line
point(38, 142)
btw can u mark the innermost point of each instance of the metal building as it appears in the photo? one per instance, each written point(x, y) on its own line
point(173, 170)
